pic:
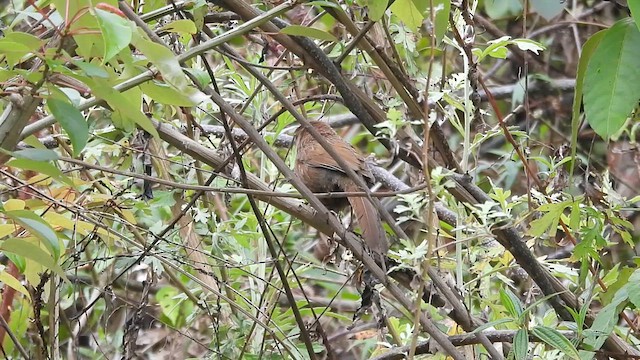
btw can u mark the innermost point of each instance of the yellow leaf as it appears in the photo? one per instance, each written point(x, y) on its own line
point(14, 204)
point(128, 215)
point(12, 282)
point(6, 229)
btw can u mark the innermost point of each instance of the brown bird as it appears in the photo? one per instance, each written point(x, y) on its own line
point(321, 173)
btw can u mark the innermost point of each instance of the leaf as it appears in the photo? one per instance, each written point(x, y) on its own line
point(183, 26)
point(441, 9)
point(611, 90)
point(116, 33)
point(588, 49)
point(33, 252)
point(521, 344)
point(548, 9)
point(299, 30)
point(170, 306)
point(169, 67)
point(14, 51)
point(165, 94)
point(40, 167)
point(123, 106)
point(511, 303)
point(72, 122)
point(409, 12)
point(556, 339)
point(37, 227)
point(634, 6)
point(14, 283)
point(10, 205)
point(376, 8)
point(634, 288)
point(502, 8)
point(36, 154)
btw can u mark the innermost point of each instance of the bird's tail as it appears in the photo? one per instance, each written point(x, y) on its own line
point(368, 219)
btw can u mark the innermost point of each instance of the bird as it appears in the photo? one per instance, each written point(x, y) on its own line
point(321, 173)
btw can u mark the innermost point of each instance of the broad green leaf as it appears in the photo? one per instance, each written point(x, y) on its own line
point(13, 51)
point(31, 251)
point(27, 40)
point(36, 154)
point(587, 51)
point(116, 33)
point(634, 6)
point(183, 26)
point(165, 61)
point(441, 9)
point(37, 227)
point(40, 167)
point(14, 283)
point(409, 12)
point(299, 30)
point(124, 108)
point(92, 70)
point(511, 303)
point(376, 8)
point(502, 8)
point(72, 122)
point(557, 340)
point(610, 89)
point(634, 288)
point(521, 344)
point(170, 306)
point(548, 9)
point(165, 94)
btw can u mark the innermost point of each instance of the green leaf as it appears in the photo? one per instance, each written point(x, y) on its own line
point(36, 154)
point(72, 122)
point(611, 89)
point(170, 306)
point(169, 67)
point(410, 12)
point(183, 26)
point(165, 94)
point(14, 51)
point(33, 252)
point(587, 51)
point(376, 8)
point(37, 227)
point(91, 69)
point(124, 108)
point(634, 288)
point(521, 344)
point(502, 8)
point(41, 167)
point(634, 6)
point(554, 338)
point(299, 30)
point(441, 9)
point(511, 303)
point(116, 33)
point(548, 9)
point(14, 283)
point(27, 40)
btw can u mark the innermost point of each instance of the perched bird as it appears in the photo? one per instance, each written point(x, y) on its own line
point(321, 173)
